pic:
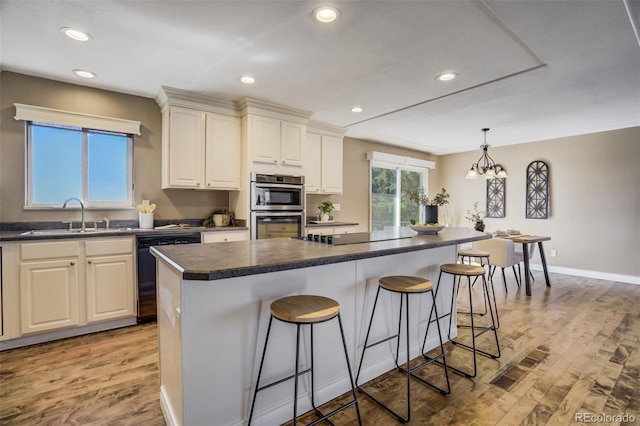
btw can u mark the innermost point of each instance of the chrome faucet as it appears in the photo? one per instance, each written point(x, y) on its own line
point(64, 206)
point(106, 223)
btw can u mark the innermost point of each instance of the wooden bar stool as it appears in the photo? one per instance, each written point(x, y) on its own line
point(305, 310)
point(483, 257)
point(470, 271)
point(405, 285)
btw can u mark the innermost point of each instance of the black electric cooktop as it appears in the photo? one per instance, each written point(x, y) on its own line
point(361, 237)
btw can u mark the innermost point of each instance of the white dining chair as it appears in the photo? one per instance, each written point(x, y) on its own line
point(502, 254)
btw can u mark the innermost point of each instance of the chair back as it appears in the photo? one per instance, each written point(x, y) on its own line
point(502, 252)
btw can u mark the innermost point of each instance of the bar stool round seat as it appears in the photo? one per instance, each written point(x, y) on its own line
point(302, 311)
point(473, 253)
point(305, 309)
point(405, 284)
point(462, 269)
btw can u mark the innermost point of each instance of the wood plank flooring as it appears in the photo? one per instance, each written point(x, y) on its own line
point(573, 349)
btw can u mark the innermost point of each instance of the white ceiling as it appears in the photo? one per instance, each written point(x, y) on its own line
point(528, 69)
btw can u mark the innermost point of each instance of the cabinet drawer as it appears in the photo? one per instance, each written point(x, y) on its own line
point(222, 236)
point(49, 250)
point(345, 229)
point(101, 247)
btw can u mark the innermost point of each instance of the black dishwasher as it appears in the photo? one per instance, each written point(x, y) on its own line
point(147, 268)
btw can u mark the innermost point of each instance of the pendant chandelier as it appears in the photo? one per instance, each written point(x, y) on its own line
point(485, 167)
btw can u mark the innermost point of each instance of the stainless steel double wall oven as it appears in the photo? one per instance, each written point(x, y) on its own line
point(277, 206)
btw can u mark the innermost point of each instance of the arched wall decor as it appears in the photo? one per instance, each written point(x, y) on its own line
point(496, 197)
point(537, 197)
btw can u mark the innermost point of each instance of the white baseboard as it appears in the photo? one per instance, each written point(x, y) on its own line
point(607, 276)
point(167, 412)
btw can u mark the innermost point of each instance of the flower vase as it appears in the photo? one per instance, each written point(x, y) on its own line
point(430, 214)
point(324, 217)
point(479, 226)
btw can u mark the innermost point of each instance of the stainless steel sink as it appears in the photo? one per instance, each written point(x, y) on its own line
point(74, 231)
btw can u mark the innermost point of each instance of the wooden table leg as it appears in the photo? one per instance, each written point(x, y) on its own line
point(527, 278)
point(544, 264)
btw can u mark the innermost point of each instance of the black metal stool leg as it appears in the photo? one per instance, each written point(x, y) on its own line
point(264, 351)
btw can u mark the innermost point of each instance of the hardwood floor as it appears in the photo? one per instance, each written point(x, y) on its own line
point(573, 349)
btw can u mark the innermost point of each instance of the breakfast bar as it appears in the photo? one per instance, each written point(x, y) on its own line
point(213, 311)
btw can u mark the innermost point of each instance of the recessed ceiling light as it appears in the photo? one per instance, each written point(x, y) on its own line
point(356, 109)
point(446, 76)
point(326, 14)
point(247, 79)
point(76, 34)
point(84, 73)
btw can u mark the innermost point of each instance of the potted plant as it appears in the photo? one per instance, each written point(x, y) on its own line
point(430, 204)
point(325, 208)
point(476, 217)
point(220, 217)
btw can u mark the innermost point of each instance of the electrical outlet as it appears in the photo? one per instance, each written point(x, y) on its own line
point(336, 207)
point(554, 253)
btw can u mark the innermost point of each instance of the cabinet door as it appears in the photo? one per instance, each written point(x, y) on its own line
point(331, 165)
point(222, 236)
point(312, 155)
point(292, 143)
point(110, 287)
point(222, 165)
point(48, 295)
point(266, 139)
point(186, 148)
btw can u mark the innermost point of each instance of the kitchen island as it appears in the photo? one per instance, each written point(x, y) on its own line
point(213, 310)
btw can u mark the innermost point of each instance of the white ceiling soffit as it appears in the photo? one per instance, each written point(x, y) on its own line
point(529, 70)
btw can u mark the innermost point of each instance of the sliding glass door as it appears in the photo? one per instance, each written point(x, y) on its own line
point(390, 205)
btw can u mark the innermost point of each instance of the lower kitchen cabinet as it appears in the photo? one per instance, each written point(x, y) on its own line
point(49, 295)
point(222, 236)
point(331, 230)
point(74, 282)
point(109, 275)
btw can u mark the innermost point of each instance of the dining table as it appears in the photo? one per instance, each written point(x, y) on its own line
point(525, 240)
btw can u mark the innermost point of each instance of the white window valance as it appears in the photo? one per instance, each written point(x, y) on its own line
point(400, 160)
point(76, 119)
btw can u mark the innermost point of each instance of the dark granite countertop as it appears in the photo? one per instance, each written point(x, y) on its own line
point(52, 234)
point(241, 258)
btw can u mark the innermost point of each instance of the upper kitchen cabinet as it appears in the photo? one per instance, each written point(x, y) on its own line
point(201, 141)
point(275, 136)
point(323, 159)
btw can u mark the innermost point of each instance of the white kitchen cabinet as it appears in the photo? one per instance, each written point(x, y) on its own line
point(201, 141)
point(276, 141)
point(323, 162)
point(70, 283)
point(312, 169)
point(222, 236)
point(186, 148)
point(49, 286)
point(331, 230)
point(222, 150)
point(110, 283)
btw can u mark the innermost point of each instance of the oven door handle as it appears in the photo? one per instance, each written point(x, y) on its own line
point(277, 185)
point(272, 213)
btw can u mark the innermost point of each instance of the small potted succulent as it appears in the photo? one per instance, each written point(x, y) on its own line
point(325, 208)
point(476, 217)
point(430, 204)
point(220, 217)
